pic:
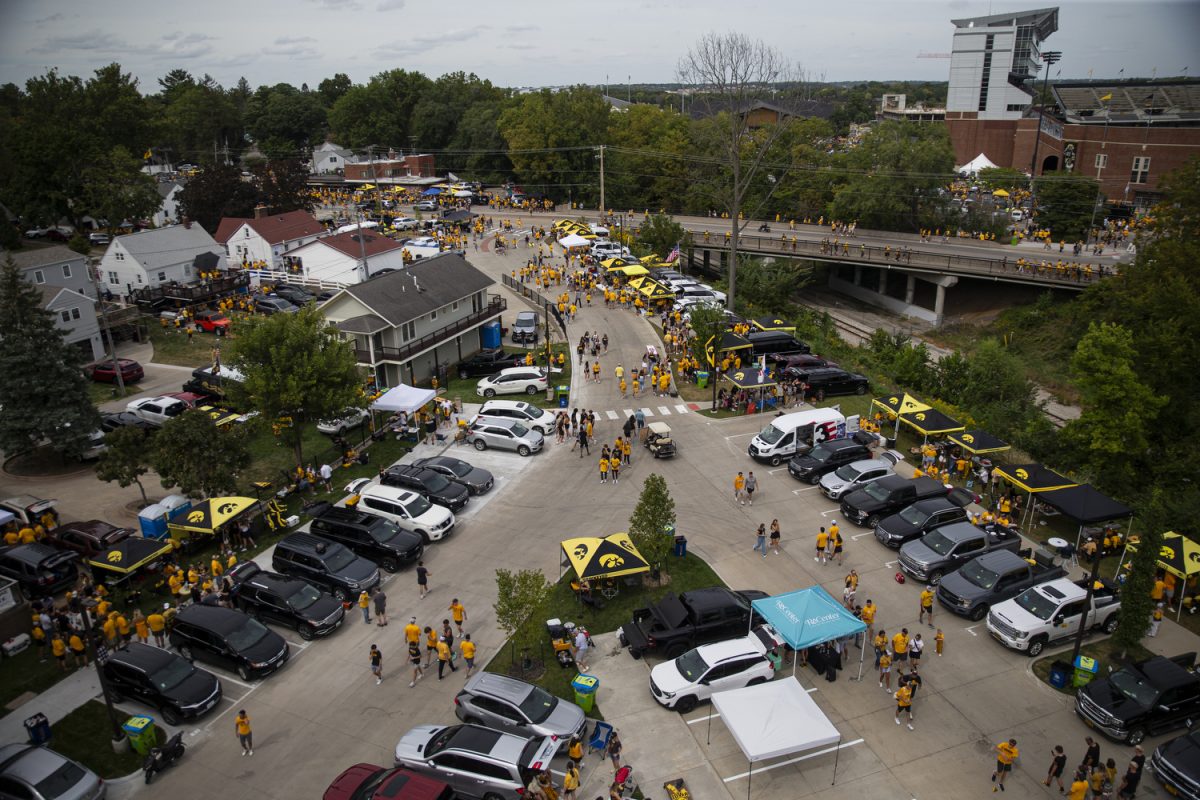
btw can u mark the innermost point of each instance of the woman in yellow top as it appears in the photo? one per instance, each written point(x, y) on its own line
point(614, 466)
point(59, 648)
point(78, 650)
point(141, 627)
point(603, 469)
point(467, 648)
point(124, 628)
point(626, 450)
point(575, 749)
point(570, 781)
point(822, 541)
point(364, 603)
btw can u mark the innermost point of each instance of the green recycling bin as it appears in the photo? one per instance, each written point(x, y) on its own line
point(585, 691)
point(1085, 670)
point(564, 396)
point(702, 379)
point(140, 731)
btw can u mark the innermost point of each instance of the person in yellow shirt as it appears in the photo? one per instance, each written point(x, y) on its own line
point(868, 616)
point(903, 697)
point(158, 627)
point(109, 629)
point(938, 640)
point(822, 541)
point(412, 632)
point(900, 647)
point(1006, 754)
point(604, 468)
point(458, 613)
point(431, 645)
point(27, 535)
point(739, 487)
point(885, 671)
point(39, 637)
point(102, 609)
point(124, 629)
point(614, 466)
point(140, 627)
point(241, 724)
point(926, 605)
point(444, 657)
point(12, 537)
point(59, 648)
point(467, 648)
point(570, 781)
point(78, 649)
point(364, 603)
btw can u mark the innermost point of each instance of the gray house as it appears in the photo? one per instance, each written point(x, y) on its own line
point(153, 257)
point(56, 265)
point(75, 315)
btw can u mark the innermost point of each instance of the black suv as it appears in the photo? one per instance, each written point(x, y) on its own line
point(161, 679)
point(525, 327)
point(486, 362)
point(228, 638)
point(325, 563)
point(823, 381)
point(826, 457)
point(269, 597)
point(40, 569)
point(917, 520)
point(433, 486)
point(375, 538)
point(293, 294)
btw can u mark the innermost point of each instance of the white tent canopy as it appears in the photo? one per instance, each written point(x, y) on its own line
point(774, 719)
point(574, 240)
point(979, 162)
point(403, 398)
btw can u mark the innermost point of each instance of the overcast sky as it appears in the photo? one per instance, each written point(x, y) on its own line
point(545, 42)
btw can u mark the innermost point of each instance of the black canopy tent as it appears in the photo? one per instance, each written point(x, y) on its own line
point(1033, 479)
point(1086, 505)
point(751, 379)
point(773, 324)
point(977, 442)
point(931, 422)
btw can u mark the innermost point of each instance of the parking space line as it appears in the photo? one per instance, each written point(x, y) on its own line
point(611, 414)
point(858, 536)
point(666, 412)
point(681, 409)
point(740, 435)
point(830, 511)
point(971, 630)
point(777, 469)
point(890, 564)
point(647, 412)
point(236, 681)
point(628, 412)
point(791, 761)
point(805, 489)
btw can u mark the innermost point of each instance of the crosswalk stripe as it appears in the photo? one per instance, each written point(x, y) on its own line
point(611, 414)
point(628, 412)
point(647, 412)
point(666, 412)
point(681, 408)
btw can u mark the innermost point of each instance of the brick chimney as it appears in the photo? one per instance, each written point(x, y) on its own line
point(187, 223)
point(261, 212)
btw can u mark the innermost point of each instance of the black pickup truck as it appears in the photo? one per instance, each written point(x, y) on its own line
point(993, 577)
point(675, 624)
point(1144, 698)
point(868, 505)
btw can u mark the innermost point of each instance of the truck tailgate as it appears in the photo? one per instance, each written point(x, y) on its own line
point(634, 636)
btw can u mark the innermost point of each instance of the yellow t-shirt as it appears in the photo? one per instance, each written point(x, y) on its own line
point(927, 599)
point(571, 780)
point(822, 538)
point(364, 600)
point(739, 483)
point(457, 611)
point(467, 648)
point(904, 697)
point(1006, 753)
point(75, 643)
point(868, 614)
point(1078, 790)
point(58, 646)
point(243, 724)
point(443, 651)
point(899, 644)
point(431, 639)
point(885, 661)
point(157, 622)
point(412, 633)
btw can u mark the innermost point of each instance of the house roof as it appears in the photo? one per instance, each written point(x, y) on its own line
point(275, 229)
point(162, 247)
point(425, 286)
point(372, 243)
point(709, 106)
point(166, 187)
point(42, 256)
point(366, 323)
point(50, 292)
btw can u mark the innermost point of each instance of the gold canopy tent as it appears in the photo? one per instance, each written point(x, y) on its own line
point(209, 515)
point(595, 559)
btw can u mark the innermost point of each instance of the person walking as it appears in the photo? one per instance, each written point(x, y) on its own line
point(581, 649)
point(1006, 754)
point(1058, 762)
point(614, 749)
point(379, 599)
point(327, 477)
point(851, 586)
point(822, 543)
point(1079, 787)
point(739, 486)
point(885, 671)
point(444, 653)
point(364, 604)
point(1091, 756)
point(926, 605)
point(467, 647)
point(835, 542)
point(423, 578)
point(904, 699)
point(751, 486)
point(570, 781)
point(760, 539)
point(775, 535)
point(1133, 774)
point(431, 646)
point(458, 613)
point(412, 632)
point(868, 616)
point(241, 726)
point(414, 658)
point(915, 649)
point(375, 657)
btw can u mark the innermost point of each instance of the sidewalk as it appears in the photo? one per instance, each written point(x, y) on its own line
point(56, 702)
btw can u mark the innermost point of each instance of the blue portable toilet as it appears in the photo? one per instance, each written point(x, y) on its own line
point(489, 336)
point(153, 521)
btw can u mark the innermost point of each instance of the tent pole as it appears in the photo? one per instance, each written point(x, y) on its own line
point(749, 778)
point(708, 734)
point(862, 654)
point(836, 755)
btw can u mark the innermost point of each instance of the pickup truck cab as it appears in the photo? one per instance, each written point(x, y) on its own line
point(884, 497)
point(157, 410)
point(950, 547)
point(1052, 612)
point(993, 578)
point(676, 624)
point(1144, 698)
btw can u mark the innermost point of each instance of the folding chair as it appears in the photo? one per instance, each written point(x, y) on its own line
point(599, 739)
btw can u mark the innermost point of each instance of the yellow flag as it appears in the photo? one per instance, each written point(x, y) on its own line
point(147, 155)
point(1106, 97)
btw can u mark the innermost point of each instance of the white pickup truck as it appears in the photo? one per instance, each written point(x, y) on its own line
point(1051, 612)
point(157, 410)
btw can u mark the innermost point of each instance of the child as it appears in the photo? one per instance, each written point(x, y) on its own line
point(938, 638)
point(885, 671)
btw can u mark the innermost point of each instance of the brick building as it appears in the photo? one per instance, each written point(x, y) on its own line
point(392, 170)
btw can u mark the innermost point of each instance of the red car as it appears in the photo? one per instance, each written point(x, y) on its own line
point(87, 538)
point(190, 399)
point(209, 321)
point(131, 371)
point(369, 782)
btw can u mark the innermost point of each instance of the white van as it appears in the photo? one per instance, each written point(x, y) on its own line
point(792, 434)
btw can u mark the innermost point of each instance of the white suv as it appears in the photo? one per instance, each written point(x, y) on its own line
point(513, 380)
point(529, 415)
point(408, 510)
point(700, 673)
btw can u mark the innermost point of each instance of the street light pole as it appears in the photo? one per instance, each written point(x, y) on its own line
point(94, 268)
point(1050, 57)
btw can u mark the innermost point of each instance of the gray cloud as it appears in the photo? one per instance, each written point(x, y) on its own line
point(185, 45)
point(95, 41)
point(390, 5)
point(339, 5)
point(57, 17)
point(293, 47)
point(415, 45)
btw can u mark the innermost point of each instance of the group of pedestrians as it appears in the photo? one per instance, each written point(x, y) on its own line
point(438, 642)
point(1092, 778)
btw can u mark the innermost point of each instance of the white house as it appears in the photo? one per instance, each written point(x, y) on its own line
point(349, 257)
point(329, 158)
point(168, 212)
point(156, 256)
point(266, 240)
point(75, 315)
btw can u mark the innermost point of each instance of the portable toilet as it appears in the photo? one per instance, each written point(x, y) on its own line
point(153, 521)
point(174, 502)
point(490, 337)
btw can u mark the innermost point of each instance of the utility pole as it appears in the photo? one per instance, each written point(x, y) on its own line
point(602, 205)
point(112, 347)
point(1050, 57)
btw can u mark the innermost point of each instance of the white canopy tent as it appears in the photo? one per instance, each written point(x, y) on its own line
point(775, 719)
point(979, 162)
point(573, 240)
point(403, 398)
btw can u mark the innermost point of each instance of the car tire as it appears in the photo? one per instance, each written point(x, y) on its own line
point(489, 393)
point(480, 445)
point(860, 389)
point(185, 652)
point(531, 390)
point(523, 450)
point(307, 632)
point(170, 716)
point(774, 461)
point(1110, 625)
point(390, 565)
point(872, 521)
point(757, 681)
point(492, 796)
point(1135, 737)
point(685, 704)
point(979, 613)
point(1036, 647)
point(339, 594)
point(243, 672)
point(936, 576)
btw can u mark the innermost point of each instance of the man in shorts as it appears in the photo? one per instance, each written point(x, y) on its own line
point(414, 658)
point(751, 486)
point(1006, 754)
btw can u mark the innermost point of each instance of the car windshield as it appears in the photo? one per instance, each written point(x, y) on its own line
point(913, 516)
point(1037, 604)
point(770, 434)
point(250, 633)
point(937, 542)
point(60, 781)
point(172, 674)
point(460, 468)
point(418, 506)
point(819, 453)
point(338, 558)
point(435, 482)
point(304, 597)
point(848, 472)
point(539, 705)
point(383, 531)
point(877, 491)
point(979, 575)
point(519, 430)
point(691, 665)
point(174, 409)
point(1134, 687)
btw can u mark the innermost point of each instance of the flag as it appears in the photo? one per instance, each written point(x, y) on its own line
point(673, 255)
point(1106, 97)
point(147, 155)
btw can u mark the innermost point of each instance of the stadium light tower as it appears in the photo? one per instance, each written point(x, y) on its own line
point(1049, 57)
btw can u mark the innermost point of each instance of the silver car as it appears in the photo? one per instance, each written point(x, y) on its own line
point(857, 474)
point(475, 761)
point(503, 434)
point(507, 704)
point(39, 773)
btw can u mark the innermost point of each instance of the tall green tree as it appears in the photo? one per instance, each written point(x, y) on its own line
point(478, 150)
point(295, 365)
point(218, 191)
point(283, 185)
point(190, 452)
point(46, 398)
point(285, 121)
point(551, 138)
point(518, 595)
point(436, 115)
point(126, 459)
point(379, 113)
point(652, 517)
point(115, 188)
point(660, 234)
point(1066, 204)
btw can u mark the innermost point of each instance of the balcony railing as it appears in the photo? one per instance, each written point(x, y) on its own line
point(496, 305)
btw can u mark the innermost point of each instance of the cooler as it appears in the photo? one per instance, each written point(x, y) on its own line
point(489, 335)
point(1085, 670)
point(140, 731)
point(585, 691)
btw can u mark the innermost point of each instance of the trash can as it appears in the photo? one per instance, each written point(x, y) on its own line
point(1085, 669)
point(564, 396)
point(702, 379)
point(585, 691)
point(140, 731)
point(1059, 671)
point(38, 728)
point(680, 546)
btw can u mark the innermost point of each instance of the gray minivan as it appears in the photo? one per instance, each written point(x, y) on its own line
point(507, 704)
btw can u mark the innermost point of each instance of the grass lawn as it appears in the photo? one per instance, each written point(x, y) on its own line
point(686, 574)
point(104, 392)
point(172, 347)
point(24, 673)
point(1104, 651)
point(464, 388)
point(85, 735)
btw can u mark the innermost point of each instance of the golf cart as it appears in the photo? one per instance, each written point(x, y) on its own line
point(659, 441)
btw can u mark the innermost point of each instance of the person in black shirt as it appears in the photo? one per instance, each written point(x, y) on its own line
point(1091, 759)
point(1058, 762)
point(1133, 773)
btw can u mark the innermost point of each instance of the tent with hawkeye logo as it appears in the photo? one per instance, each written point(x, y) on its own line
point(208, 516)
point(594, 558)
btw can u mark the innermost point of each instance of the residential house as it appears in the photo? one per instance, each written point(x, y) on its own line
point(75, 315)
point(330, 159)
point(413, 323)
point(349, 257)
point(268, 239)
point(168, 212)
point(759, 113)
point(56, 265)
point(177, 253)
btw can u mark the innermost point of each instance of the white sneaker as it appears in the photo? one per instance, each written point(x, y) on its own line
point(243, 752)
point(378, 681)
point(897, 720)
point(251, 752)
point(411, 684)
point(881, 684)
point(910, 727)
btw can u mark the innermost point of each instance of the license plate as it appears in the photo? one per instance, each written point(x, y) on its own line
point(1171, 789)
point(1088, 722)
point(338, 624)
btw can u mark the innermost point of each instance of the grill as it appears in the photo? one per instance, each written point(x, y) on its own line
point(1167, 772)
point(947, 596)
point(1089, 709)
point(1001, 626)
point(654, 688)
point(912, 566)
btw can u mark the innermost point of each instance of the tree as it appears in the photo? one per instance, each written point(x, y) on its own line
point(661, 234)
point(708, 324)
point(295, 365)
point(46, 398)
point(653, 516)
point(217, 192)
point(518, 595)
point(283, 185)
point(993, 178)
point(1066, 204)
point(332, 89)
point(191, 452)
point(125, 460)
point(116, 189)
point(1136, 604)
point(732, 70)
point(553, 134)
point(283, 120)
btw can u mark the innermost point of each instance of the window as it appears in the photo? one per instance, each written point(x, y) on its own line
point(1016, 106)
point(38, 277)
point(66, 270)
point(1141, 169)
point(1101, 160)
point(112, 279)
point(454, 306)
point(162, 277)
point(408, 330)
point(119, 256)
point(74, 313)
point(433, 314)
point(66, 316)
